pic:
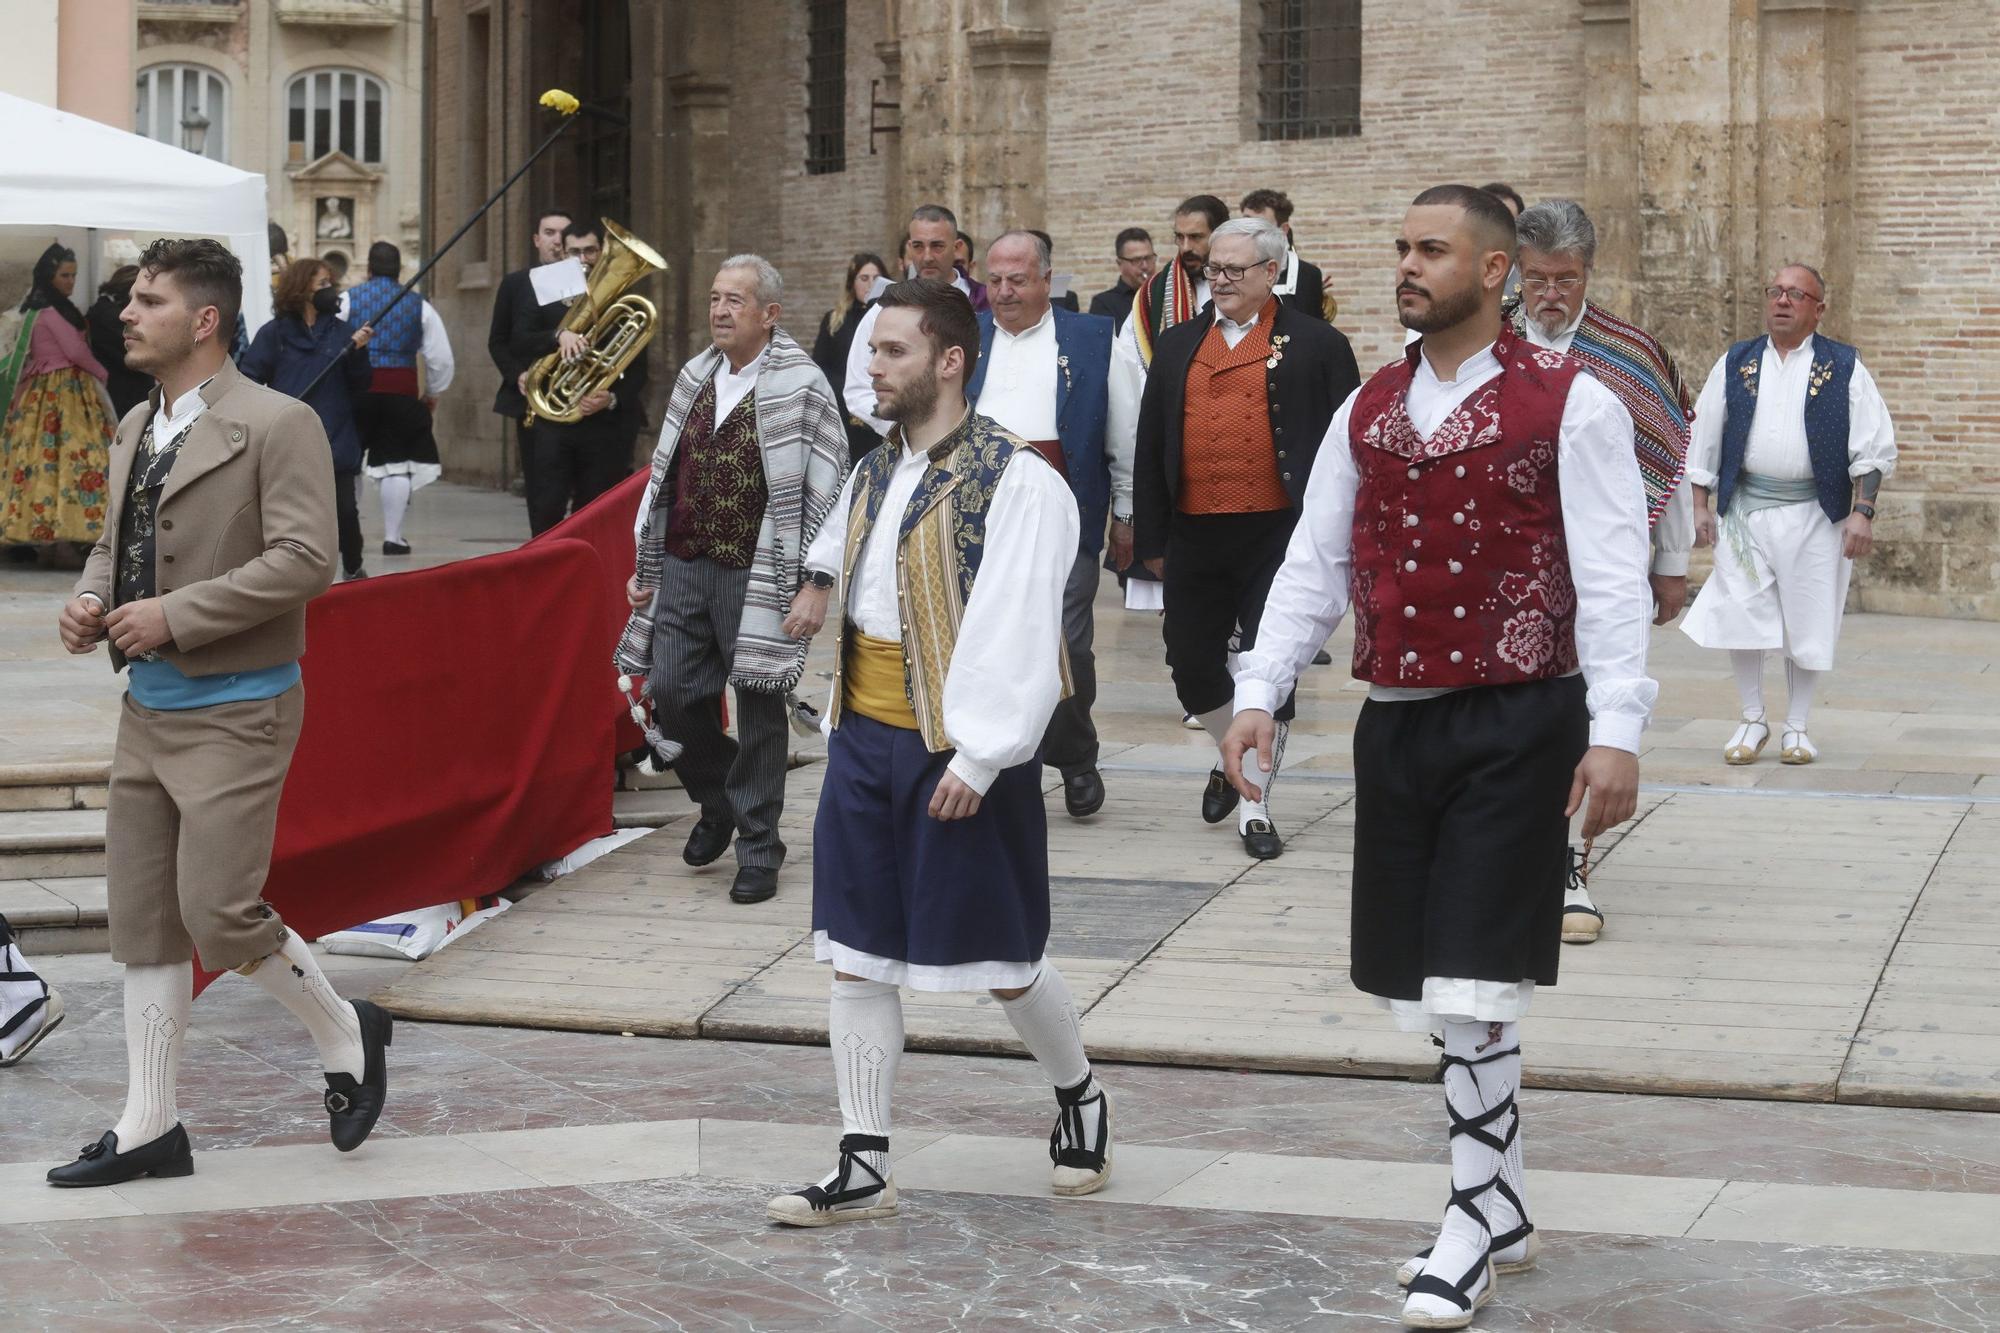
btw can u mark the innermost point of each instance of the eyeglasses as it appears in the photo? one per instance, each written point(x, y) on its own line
point(1563, 286)
point(1138, 259)
point(1233, 272)
point(1773, 293)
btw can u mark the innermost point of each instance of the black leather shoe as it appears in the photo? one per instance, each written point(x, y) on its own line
point(753, 884)
point(1083, 793)
point(353, 1108)
point(708, 839)
point(102, 1164)
point(395, 548)
point(1322, 658)
point(1219, 801)
point(1262, 841)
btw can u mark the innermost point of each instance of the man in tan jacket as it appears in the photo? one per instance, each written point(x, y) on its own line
point(220, 529)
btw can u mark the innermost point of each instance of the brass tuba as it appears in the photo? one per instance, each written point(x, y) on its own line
point(618, 326)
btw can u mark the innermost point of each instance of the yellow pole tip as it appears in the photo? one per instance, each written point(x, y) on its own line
point(555, 99)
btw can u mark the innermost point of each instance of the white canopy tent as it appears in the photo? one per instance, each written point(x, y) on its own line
point(60, 170)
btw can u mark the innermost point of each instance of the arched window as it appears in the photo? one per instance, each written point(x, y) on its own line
point(186, 106)
point(328, 109)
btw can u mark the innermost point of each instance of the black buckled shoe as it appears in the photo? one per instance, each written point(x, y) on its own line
point(352, 1107)
point(102, 1164)
point(754, 884)
point(1083, 793)
point(707, 840)
point(1262, 841)
point(1218, 802)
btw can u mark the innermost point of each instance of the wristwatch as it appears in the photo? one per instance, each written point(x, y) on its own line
point(1866, 510)
point(819, 578)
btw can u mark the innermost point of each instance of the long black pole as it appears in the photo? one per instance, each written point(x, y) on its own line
point(445, 249)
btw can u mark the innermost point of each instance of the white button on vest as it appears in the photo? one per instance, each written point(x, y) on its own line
point(1458, 611)
point(1409, 612)
point(1409, 566)
point(1460, 471)
point(1414, 474)
point(1458, 657)
point(1458, 518)
point(1409, 520)
point(1410, 656)
point(1456, 567)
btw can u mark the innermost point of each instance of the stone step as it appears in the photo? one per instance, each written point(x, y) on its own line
point(57, 914)
point(51, 844)
point(54, 786)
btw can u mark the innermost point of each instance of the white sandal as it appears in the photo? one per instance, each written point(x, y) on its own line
point(1796, 747)
point(1748, 742)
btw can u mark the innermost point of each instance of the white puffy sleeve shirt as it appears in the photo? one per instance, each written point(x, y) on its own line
point(1005, 676)
point(1777, 443)
point(1604, 523)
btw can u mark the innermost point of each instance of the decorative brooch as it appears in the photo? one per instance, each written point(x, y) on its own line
point(1822, 371)
point(1748, 373)
point(1278, 341)
point(1062, 364)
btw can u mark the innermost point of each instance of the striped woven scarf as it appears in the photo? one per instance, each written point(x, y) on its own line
point(1167, 300)
point(1628, 361)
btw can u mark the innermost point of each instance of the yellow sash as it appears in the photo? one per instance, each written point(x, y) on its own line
point(874, 682)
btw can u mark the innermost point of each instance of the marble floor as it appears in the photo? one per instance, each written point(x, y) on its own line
point(552, 1180)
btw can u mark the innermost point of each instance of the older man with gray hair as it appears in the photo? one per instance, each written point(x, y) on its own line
point(1558, 248)
point(752, 454)
point(1236, 401)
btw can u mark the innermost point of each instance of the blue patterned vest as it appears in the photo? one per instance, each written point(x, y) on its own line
point(1826, 420)
point(941, 538)
point(398, 338)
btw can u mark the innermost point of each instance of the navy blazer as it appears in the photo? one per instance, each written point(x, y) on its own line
point(286, 355)
point(1083, 405)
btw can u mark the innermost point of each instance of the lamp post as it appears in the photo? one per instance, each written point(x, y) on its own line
point(194, 132)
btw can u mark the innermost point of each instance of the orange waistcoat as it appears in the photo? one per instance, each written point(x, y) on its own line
point(1229, 464)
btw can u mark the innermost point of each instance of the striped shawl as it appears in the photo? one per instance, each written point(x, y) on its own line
point(804, 445)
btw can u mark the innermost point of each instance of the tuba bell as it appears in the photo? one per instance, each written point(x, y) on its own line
point(618, 326)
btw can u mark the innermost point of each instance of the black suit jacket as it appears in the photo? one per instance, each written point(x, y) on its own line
point(522, 333)
point(1311, 380)
point(1114, 303)
point(1310, 295)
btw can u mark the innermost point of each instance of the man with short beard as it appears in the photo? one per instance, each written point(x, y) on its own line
point(221, 529)
point(1478, 505)
point(930, 854)
point(1235, 405)
point(930, 248)
point(1558, 245)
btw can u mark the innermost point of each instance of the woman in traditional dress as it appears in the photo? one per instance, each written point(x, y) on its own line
point(55, 443)
point(303, 338)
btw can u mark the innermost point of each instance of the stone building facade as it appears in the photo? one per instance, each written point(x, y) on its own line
point(1712, 140)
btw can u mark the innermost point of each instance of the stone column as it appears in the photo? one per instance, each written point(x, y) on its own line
point(698, 149)
point(1007, 149)
point(1805, 149)
point(1611, 152)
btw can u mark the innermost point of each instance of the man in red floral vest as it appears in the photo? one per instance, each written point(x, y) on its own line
point(1478, 504)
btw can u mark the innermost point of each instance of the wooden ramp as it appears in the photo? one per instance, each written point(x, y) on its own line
point(1801, 947)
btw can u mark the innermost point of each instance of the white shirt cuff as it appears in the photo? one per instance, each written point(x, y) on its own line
point(1671, 564)
point(972, 773)
point(1257, 694)
point(1619, 731)
point(1697, 477)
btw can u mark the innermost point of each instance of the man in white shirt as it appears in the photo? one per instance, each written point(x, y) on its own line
point(1558, 245)
point(1792, 443)
point(1478, 504)
point(928, 252)
point(930, 854)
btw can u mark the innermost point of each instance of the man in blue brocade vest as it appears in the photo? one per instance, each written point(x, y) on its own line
point(1792, 442)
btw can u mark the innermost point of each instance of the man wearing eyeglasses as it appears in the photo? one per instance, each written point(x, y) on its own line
point(1134, 251)
point(1232, 415)
point(1558, 245)
point(1792, 442)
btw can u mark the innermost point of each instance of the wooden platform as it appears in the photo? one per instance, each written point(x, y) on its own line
point(1804, 947)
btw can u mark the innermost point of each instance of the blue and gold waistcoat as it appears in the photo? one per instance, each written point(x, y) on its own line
point(940, 541)
point(1826, 420)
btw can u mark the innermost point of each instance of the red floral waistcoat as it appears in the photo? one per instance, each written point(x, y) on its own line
point(1461, 573)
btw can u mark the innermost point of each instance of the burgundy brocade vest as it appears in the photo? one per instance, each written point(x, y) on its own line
point(1461, 573)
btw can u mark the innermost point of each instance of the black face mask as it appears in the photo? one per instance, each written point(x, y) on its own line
point(326, 300)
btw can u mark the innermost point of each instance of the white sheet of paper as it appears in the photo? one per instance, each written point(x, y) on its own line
point(558, 281)
point(1059, 285)
point(876, 288)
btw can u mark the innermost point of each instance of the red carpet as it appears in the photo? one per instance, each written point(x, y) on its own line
point(461, 725)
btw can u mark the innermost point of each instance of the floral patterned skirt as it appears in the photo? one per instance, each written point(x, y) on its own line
point(55, 453)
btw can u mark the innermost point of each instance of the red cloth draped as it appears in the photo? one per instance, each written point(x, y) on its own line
point(461, 726)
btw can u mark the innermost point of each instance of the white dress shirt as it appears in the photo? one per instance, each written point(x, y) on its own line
point(1005, 674)
point(172, 418)
point(1128, 385)
point(1020, 387)
point(859, 391)
point(1232, 332)
point(1777, 444)
point(733, 386)
point(1673, 530)
point(433, 349)
point(1604, 524)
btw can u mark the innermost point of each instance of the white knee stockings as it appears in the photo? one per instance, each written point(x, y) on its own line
point(158, 1001)
point(865, 1030)
point(395, 504)
point(292, 975)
